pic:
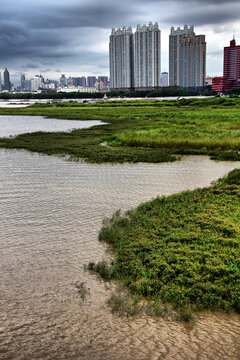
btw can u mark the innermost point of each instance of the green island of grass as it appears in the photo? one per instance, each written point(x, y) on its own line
point(183, 249)
point(141, 130)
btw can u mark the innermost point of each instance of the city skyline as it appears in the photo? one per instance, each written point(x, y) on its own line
point(54, 37)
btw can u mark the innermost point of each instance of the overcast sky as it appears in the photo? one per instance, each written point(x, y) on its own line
point(71, 36)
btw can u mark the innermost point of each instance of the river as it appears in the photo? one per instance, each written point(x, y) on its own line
point(51, 211)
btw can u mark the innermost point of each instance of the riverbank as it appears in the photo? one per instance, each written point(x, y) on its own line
point(138, 131)
point(183, 250)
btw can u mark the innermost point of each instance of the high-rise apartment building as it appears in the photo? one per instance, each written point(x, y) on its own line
point(91, 81)
point(83, 81)
point(103, 84)
point(175, 38)
point(164, 79)
point(231, 66)
point(147, 57)
point(63, 80)
point(231, 69)
point(103, 79)
point(7, 83)
point(70, 81)
point(36, 82)
point(121, 59)
point(23, 80)
point(192, 72)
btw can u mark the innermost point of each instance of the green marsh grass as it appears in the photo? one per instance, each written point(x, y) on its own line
point(141, 130)
point(183, 249)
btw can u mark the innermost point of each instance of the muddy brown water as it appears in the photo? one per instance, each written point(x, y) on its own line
point(51, 211)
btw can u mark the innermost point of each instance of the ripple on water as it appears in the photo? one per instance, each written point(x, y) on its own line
point(51, 211)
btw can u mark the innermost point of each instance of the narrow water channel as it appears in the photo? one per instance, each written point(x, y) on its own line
point(51, 212)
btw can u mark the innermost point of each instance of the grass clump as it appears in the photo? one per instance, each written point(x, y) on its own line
point(82, 289)
point(183, 249)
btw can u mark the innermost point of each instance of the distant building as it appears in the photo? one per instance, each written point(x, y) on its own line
point(208, 81)
point(175, 38)
point(231, 69)
point(103, 79)
point(76, 81)
point(23, 81)
point(63, 80)
point(79, 89)
point(83, 81)
point(164, 79)
point(147, 57)
point(70, 81)
point(192, 61)
point(103, 84)
point(36, 83)
point(91, 81)
point(7, 83)
point(121, 59)
point(217, 84)
point(231, 66)
point(135, 59)
point(28, 85)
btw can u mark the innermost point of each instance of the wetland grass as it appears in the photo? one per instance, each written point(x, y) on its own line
point(141, 130)
point(183, 249)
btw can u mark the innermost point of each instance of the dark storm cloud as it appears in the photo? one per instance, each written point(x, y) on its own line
point(206, 15)
point(91, 14)
point(17, 41)
point(59, 34)
point(40, 31)
point(30, 66)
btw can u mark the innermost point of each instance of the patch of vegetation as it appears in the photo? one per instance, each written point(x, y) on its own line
point(183, 249)
point(140, 130)
point(82, 290)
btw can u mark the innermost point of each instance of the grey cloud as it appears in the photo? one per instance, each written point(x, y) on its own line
point(29, 66)
point(57, 34)
point(205, 15)
point(91, 14)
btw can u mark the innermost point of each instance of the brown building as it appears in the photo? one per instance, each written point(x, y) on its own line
point(193, 61)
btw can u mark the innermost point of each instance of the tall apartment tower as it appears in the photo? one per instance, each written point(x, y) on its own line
point(121, 59)
point(231, 66)
point(91, 81)
point(164, 79)
point(23, 81)
point(192, 61)
point(175, 38)
point(147, 56)
point(7, 84)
